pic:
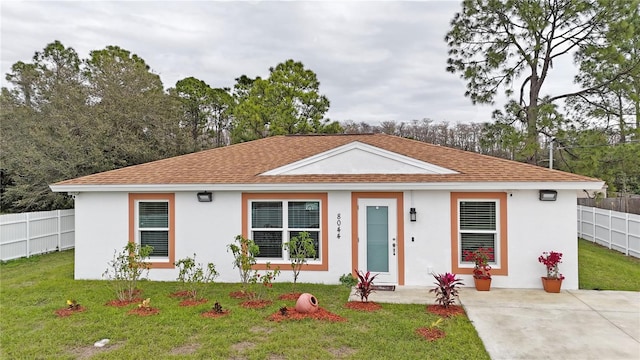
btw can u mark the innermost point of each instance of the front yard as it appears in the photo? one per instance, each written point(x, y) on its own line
point(31, 290)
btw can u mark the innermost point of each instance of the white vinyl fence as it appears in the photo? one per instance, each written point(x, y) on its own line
point(615, 230)
point(26, 234)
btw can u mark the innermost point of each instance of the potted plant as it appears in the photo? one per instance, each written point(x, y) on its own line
point(553, 281)
point(482, 271)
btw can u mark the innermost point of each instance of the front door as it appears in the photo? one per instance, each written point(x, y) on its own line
point(377, 239)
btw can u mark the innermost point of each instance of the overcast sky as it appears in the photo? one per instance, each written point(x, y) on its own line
point(376, 61)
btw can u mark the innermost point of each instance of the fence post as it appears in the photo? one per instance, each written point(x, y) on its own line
point(59, 213)
point(610, 233)
point(627, 233)
point(28, 234)
point(593, 222)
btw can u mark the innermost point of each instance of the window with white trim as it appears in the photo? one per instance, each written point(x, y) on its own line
point(478, 226)
point(152, 227)
point(273, 223)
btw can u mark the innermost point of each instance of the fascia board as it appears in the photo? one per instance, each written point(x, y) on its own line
point(458, 186)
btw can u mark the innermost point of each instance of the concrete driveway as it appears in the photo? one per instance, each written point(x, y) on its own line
point(532, 324)
point(574, 324)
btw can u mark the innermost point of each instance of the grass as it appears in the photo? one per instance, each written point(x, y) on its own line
point(604, 269)
point(32, 289)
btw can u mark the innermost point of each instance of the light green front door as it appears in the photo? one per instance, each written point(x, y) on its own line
point(377, 238)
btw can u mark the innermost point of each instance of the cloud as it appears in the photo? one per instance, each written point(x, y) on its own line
point(376, 61)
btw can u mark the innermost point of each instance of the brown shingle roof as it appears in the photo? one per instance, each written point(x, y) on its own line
point(242, 163)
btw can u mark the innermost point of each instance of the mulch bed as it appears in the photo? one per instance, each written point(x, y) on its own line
point(289, 296)
point(181, 294)
point(292, 314)
point(143, 312)
point(121, 303)
point(430, 334)
point(212, 314)
point(363, 306)
point(68, 312)
point(241, 294)
point(190, 302)
point(256, 304)
point(452, 310)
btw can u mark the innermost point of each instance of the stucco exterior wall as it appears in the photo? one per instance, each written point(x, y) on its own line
point(207, 228)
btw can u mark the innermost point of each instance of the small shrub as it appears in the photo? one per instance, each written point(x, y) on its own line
point(300, 249)
point(127, 268)
point(365, 285)
point(193, 276)
point(446, 289)
point(348, 280)
point(265, 279)
point(217, 308)
point(145, 304)
point(73, 305)
point(244, 254)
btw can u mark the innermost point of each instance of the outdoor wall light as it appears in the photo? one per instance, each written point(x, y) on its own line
point(205, 196)
point(548, 195)
point(412, 214)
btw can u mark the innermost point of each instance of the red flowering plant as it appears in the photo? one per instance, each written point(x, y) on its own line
point(551, 260)
point(446, 289)
point(481, 258)
point(365, 285)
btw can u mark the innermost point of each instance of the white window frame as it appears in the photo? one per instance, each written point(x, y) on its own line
point(285, 230)
point(497, 236)
point(138, 229)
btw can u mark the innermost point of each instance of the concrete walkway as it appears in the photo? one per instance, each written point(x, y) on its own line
point(533, 324)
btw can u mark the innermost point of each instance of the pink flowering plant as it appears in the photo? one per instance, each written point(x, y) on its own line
point(481, 257)
point(551, 260)
point(446, 288)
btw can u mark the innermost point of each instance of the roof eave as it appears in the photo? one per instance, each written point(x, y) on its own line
point(458, 186)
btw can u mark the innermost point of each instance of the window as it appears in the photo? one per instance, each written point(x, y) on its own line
point(273, 223)
point(273, 219)
point(479, 220)
point(153, 227)
point(151, 222)
point(477, 226)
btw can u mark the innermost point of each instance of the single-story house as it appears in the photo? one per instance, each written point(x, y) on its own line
point(398, 207)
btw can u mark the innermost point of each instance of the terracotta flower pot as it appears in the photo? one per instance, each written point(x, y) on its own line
point(551, 285)
point(307, 304)
point(482, 284)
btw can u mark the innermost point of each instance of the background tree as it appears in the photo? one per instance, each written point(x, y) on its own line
point(66, 117)
point(616, 56)
point(496, 44)
point(288, 102)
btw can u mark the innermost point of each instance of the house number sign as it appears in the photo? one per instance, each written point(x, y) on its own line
point(338, 222)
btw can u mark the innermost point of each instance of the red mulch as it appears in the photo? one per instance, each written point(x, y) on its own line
point(452, 310)
point(143, 311)
point(121, 303)
point(212, 314)
point(68, 312)
point(292, 314)
point(181, 294)
point(190, 302)
point(241, 294)
point(363, 306)
point(430, 334)
point(290, 296)
point(256, 304)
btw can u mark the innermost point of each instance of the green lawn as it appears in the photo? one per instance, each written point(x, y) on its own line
point(32, 289)
point(604, 269)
